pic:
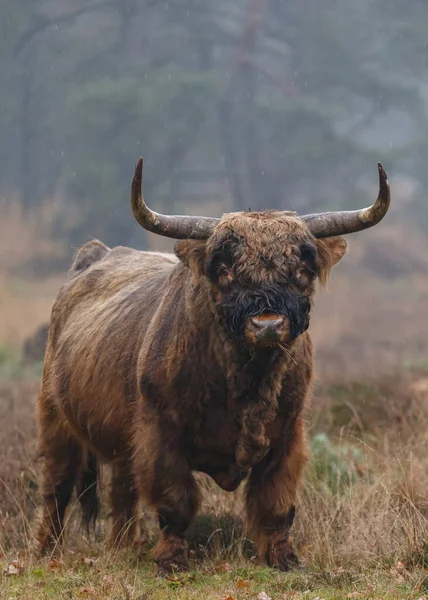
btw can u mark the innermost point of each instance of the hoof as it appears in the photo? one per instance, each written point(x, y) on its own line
point(47, 546)
point(282, 556)
point(170, 556)
point(167, 568)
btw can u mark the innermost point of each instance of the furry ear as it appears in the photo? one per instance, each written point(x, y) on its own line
point(330, 251)
point(193, 254)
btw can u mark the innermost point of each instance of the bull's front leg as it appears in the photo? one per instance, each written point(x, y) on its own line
point(166, 481)
point(175, 497)
point(270, 499)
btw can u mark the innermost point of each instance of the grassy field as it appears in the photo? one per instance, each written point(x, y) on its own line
point(124, 578)
point(362, 523)
point(361, 528)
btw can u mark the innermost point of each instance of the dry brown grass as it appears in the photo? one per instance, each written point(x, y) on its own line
point(380, 516)
point(371, 319)
point(362, 514)
point(365, 496)
point(24, 305)
point(26, 235)
point(25, 243)
point(18, 452)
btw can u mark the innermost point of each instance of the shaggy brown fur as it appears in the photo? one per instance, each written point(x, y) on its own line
point(157, 366)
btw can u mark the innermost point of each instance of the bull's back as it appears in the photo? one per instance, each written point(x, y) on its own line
point(98, 325)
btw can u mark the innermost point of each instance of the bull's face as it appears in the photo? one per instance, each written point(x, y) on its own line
point(259, 270)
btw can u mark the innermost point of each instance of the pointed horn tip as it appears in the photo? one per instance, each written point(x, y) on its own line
point(139, 167)
point(138, 177)
point(383, 179)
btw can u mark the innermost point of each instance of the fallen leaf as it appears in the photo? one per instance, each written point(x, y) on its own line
point(12, 570)
point(223, 567)
point(179, 579)
point(399, 566)
point(397, 571)
point(108, 581)
point(242, 583)
point(227, 598)
point(88, 592)
point(263, 596)
point(15, 568)
point(54, 565)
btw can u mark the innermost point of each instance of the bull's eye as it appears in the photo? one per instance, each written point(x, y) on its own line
point(223, 271)
point(305, 276)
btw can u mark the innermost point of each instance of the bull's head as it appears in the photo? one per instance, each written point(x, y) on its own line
point(259, 268)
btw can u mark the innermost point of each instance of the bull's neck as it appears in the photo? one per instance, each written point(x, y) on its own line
point(253, 376)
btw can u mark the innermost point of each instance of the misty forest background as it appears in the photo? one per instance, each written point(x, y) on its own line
point(233, 104)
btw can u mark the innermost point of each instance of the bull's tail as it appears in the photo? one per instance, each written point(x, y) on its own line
point(87, 494)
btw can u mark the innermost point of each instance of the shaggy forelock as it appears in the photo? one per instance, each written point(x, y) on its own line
point(264, 244)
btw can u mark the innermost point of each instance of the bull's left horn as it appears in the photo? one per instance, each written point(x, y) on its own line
point(327, 224)
point(174, 226)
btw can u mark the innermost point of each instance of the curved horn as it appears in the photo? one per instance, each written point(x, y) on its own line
point(173, 226)
point(327, 224)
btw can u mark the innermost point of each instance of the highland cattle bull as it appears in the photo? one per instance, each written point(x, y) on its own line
point(163, 364)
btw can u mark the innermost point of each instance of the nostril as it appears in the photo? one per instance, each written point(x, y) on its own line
point(257, 323)
point(277, 323)
point(267, 323)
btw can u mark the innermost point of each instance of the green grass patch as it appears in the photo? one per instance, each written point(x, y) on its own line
point(121, 578)
point(14, 368)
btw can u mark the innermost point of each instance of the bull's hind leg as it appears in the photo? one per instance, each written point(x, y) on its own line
point(271, 496)
point(62, 461)
point(124, 501)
